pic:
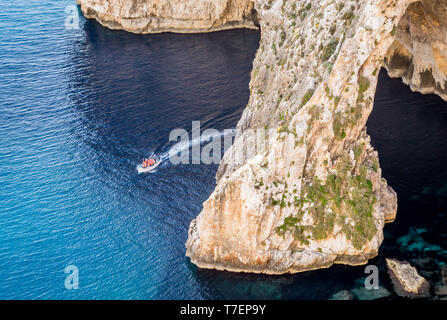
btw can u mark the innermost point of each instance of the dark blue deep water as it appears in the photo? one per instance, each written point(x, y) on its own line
point(79, 108)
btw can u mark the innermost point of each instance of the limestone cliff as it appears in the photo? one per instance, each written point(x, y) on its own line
point(316, 195)
point(183, 16)
point(419, 54)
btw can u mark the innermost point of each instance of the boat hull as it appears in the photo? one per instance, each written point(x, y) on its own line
point(140, 168)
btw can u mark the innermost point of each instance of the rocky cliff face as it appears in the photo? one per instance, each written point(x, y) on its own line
point(315, 196)
point(184, 16)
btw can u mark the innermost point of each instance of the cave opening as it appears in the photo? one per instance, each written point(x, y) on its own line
point(409, 130)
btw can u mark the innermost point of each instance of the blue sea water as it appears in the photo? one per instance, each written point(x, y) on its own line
point(80, 108)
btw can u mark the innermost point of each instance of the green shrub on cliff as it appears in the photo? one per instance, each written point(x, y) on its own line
point(358, 150)
point(346, 199)
point(307, 96)
point(364, 84)
point(348, 16)
point(274, 202)
point(329, 50)
point(337, 126)
point(375, 164)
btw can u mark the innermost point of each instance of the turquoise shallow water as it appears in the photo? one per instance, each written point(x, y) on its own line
point(79, 108)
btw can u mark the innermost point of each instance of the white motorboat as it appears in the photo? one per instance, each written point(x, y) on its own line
point(143, 169)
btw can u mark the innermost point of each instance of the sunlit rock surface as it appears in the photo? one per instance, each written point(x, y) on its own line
point(406, 280)
point(183, 16)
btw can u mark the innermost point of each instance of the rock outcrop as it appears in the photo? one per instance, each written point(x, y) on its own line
point(182, 16)
point(406, 280)
point(419, 54)
point(315, 195)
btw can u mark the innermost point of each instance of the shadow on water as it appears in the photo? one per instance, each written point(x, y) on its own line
point(312, 285)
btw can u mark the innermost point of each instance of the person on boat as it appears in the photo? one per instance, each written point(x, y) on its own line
point(148, 163)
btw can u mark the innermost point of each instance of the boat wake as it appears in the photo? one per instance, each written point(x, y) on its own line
point(187, 144)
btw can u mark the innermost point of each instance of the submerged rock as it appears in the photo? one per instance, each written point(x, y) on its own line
point(441, 290)
point(426, 263)
point(414, 242)
point(429, 275)
point(343, 295)
point(371, 294)
point(444, 274)
point(406, 280)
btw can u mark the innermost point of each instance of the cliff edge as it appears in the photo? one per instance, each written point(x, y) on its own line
point(181, 16)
